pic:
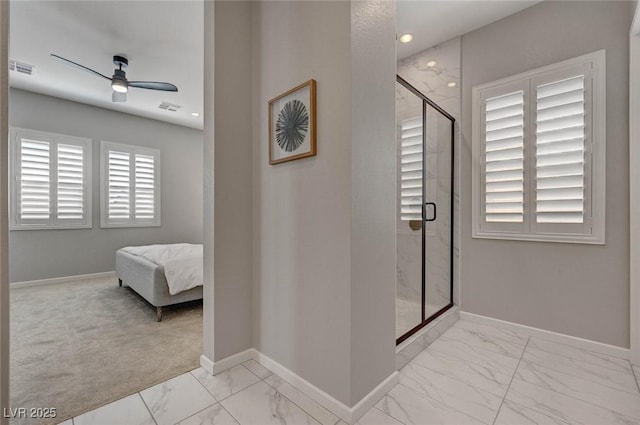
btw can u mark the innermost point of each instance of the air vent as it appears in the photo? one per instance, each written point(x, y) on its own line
point(23, 68)
point(169, 106)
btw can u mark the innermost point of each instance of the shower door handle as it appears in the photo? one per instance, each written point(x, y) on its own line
point(435, 210)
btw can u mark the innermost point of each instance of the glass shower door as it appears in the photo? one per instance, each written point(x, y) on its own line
point(438, 212)
point(424, 224)
point(409, 129)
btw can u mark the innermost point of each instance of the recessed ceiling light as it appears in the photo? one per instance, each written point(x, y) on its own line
point(431, 64)
point(452, 84)
point(195, 114)
point(405, 38)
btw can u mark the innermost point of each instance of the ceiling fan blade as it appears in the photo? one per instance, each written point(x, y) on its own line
point(153, 85)
point(118, 97)
point(84, 68)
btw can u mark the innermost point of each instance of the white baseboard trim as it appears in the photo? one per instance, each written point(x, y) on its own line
point(206, 364)
point(586, 344)
point(348, 414)
point(231, 361)
point(64, 279)
point(370, 400)
point(344, 412)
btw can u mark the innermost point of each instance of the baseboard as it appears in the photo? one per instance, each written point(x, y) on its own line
point(348, 414)
point(586, 344)
point(344, 412)
point(206, 364)
point(64, 279)
point(231, 361)
point(370, 400)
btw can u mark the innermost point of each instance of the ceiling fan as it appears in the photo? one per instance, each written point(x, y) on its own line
point(119, 82)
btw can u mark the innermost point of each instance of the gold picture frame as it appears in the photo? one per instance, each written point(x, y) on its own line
point(292, 124)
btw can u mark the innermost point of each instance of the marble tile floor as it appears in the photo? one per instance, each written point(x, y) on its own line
point(472, 374)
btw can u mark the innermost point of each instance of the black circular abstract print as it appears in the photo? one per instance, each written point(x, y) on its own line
point(292, 125)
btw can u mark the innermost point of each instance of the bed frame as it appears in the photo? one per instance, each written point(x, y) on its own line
point(148, 280)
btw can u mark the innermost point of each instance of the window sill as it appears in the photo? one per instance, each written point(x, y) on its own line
point(557, 238)
point(61, 227)
point(126, 225)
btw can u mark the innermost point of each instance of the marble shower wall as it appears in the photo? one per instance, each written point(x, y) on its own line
point(434, 83)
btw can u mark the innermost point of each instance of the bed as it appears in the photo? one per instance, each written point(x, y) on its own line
point(146, 274)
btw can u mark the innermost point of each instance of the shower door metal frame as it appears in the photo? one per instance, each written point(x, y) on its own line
point(426, 101)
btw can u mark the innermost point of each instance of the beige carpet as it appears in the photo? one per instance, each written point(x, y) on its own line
point(76, 346)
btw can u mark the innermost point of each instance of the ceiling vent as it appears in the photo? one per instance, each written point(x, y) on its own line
point(22, 68)
point(167, 106)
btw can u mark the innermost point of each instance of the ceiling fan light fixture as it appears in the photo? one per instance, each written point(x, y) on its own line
point(119, 81)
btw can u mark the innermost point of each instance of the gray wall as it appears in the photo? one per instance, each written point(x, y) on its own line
point(373, 194)
point(302, 209)
point(579, 290)
point(232, 168)
point(42, 254)
point(324, 227)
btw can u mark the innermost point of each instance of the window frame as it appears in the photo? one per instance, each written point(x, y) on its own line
point(132, 150)
point(54, 139)
point(595, 145)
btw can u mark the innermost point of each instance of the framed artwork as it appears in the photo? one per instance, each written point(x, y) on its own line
point(292, 124)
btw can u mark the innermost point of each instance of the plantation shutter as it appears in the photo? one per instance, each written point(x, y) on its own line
point(560, 151)
point(504, 158)
point(130, 183)
point(71, 188)
point(144, 187)
point(411, 161)
point(34, 194)
point(51, 174)
point(119, 186)
point(540, 154)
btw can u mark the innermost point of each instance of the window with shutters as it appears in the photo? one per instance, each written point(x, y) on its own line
point(411, 169)
point(51, 181)
point(539, 154)
point(130, 186)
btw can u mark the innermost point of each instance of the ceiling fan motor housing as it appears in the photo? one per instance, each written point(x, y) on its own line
point(120, 61)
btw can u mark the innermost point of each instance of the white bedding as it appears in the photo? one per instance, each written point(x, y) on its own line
point(182, 263)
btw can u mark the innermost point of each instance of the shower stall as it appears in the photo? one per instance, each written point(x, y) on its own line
point(424, 223)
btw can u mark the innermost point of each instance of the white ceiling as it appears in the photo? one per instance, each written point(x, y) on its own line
point(163, 41)
point(434, 21)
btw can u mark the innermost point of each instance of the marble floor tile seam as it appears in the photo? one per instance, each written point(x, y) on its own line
point(457, 379)
point(230, 401)
point(581, 398)
point(145, 405)
point(520, 408)
point(264, 380)
point(511, 382)
point(208, 407)
point(581, 387)
point(619, 379)
point(563, 407)
point(433, 404)
point(218, 400)
point(268, 382)
point(532, 407)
